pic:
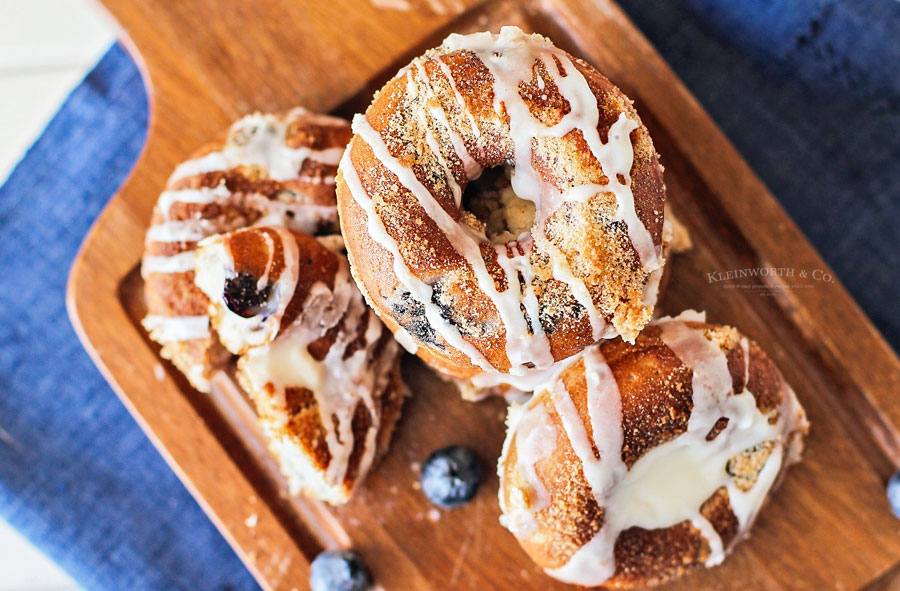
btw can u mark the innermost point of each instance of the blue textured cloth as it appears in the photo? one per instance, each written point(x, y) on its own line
point(809, 91)
point(77, 475)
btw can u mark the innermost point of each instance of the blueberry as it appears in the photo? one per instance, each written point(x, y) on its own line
point(450, 476)
point(339, 570)
point(243, 297)
point(893, 493)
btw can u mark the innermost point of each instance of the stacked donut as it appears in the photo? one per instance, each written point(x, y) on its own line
point(504, 215)
point(268, 169)
point(503, 210)
point(240, 263)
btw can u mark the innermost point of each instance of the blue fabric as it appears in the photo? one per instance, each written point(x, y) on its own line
point(77, 475)
point(808, 90)
point(809, 93)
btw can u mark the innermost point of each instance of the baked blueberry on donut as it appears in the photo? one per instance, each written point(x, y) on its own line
point(244, 297)
point(503, 208)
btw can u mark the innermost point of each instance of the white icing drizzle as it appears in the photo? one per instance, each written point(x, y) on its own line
point(537, 442)
point(256, 140)
point(201, 195)
point(510, 57)
point(406, 340)
point(669, 483)
point(521, 346)
point(432, 142)
point(176, 263)
point(316, 180)
point(308, 218)
point(418, 289)
point(523, 383)
point(333, 242)
point(470, 165)
point(338, 384)
point(259, 140)
point(167, 329)
point(445, 70)
point(192, 230)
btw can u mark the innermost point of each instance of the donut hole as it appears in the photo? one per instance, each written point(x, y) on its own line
point(491, 207)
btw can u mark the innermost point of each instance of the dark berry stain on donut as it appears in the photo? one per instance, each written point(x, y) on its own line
point(410, 314)
point(243, 297)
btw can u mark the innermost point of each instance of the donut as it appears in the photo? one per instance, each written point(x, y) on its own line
point(321, 369)
point(267, 169)
point(479, 278)
point(639, 462)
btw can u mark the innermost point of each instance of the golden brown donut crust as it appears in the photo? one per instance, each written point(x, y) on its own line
point(656, 394)
point(596, 248)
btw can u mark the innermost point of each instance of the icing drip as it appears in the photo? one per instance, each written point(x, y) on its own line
point(259, 140)
point(177, 263)
point(302, 217)
point(445, 70)
point(254, 141)
point(202, 195)
point(595, 561)
point(338, 384)
point(522, 347)
point(470, 165)
point(536, 443)
point(419, 290)
point(216, 265)
point(670, 482)
point(406, 340)
point(191, 230)
point(432, 142)
point(167, 329)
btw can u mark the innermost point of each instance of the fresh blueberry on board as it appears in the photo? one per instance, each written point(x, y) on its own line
point(451, 475)
point(339, 570)
point(893, 493)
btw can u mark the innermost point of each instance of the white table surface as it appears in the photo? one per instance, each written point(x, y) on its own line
point(46, 48)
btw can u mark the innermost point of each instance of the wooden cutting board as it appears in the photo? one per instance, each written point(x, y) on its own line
point(207, 63)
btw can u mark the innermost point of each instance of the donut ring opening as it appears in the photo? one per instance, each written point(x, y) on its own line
point(439, 266)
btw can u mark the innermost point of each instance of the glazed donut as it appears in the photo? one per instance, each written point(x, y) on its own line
point(321, 369)
point(514, 299)
point(641, 461)
point(268, 169)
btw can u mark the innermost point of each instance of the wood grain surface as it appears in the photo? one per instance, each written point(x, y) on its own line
point(207, 63)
